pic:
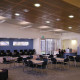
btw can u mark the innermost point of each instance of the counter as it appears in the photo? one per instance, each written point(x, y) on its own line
point(70, 54)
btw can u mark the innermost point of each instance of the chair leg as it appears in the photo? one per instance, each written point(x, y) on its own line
point(23, 68)
point(75, 63)
point(68, 65)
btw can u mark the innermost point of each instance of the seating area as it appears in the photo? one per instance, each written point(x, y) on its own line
point(40, 64)
point(39, 39)
point(37, 59)
point(17, 53)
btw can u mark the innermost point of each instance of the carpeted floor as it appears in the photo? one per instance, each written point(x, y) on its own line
point(17, 73)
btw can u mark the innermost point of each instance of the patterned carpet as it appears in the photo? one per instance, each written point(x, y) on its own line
point(17, 73)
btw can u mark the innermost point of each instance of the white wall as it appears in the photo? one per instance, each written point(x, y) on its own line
point(70, 36)
point(58, 44)
point(14, 31)
point(37, 45)
point(67, 43)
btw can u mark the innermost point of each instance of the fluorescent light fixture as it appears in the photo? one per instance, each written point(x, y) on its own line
point(58, 30)
point(24, 23)
point(37, 5)
point(44, 27)
point(47, 21)
point(17, 14)
point(71, 16)
point(2, 18)
point(70, 27)
point(46, 30)
point(26, 10)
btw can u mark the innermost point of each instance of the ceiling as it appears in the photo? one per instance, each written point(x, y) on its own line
point(55, 11)
point(73, 2)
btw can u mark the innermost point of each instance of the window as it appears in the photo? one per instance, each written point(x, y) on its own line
point(48, 46)
point(43, 46)
point(4, 43)
point(16, 43)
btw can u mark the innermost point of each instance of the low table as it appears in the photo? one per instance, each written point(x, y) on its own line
point(3, 74)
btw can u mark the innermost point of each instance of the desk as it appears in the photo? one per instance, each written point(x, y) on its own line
point(60, 59)
point(46, 56)
point(1, 59)
point(36, 61)
point(11, 58)
point(70, 54)
point(24, 56)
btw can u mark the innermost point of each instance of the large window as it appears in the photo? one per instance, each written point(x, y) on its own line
point(48, 46)
point(43, 46)
point(4, 43)
point(19, 43)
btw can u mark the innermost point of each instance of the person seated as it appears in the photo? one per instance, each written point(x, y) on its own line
point(59, 55)
point(62, 52)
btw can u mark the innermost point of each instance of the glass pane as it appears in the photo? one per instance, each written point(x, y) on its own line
point(20, 43)
point(43, 46)
point(4, 43)
point(50, 46)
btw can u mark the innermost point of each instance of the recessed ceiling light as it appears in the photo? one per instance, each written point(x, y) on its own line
point(57, 19)
point(71, 16)
point(44, 27)
point(37, 5)
point(58, 30)
point(26, 10)
point(2, 18)
point(47, 21)
point(24, 23)
point(70, 27)
point(17, 14)
point(29, 26)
